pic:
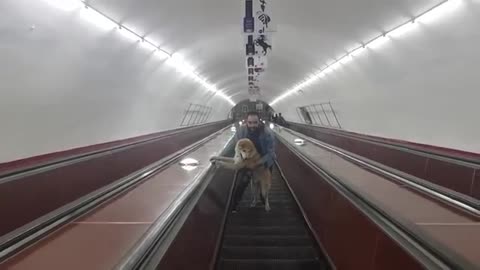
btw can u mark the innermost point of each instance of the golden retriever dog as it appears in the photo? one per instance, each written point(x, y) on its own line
point(247, 156)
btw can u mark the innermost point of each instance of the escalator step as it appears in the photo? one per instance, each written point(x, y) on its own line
point(267, 240)
point(247, 220)
point(273, 198)
point(276, 196)
point(271, 265)
point(259, 211)
point(278, 204)
point(274, 213)
point(268, 252)
point(279, 195)
point(267, 230)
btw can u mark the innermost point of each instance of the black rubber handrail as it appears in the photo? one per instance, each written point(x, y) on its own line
point(465, 161)
point(64, 161)
point(425, 250)
point(34, 231)
point(139, 256)
point(159, 248)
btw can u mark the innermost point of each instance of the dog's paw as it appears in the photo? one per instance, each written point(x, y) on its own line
point(267, 207)
point(216, 163)
point(253, 204)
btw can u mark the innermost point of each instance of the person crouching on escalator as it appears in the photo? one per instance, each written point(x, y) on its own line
point(264, 141)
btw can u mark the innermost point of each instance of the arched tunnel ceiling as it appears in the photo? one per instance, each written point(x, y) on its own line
point(309, 34)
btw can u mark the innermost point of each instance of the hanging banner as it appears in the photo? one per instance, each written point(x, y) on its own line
point(260, 61)
point(249, 19)
point(260, 38)
point(262, 44)
point(263, 17)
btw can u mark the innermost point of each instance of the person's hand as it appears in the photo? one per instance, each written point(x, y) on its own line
point(213, 159)
point(215, 162)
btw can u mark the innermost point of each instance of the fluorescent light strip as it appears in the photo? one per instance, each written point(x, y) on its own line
point(378, 42)
point(92, 16)
point(129, 34)
point(426, 17)
point(148, 46)
point(104, 22)
point(403, 29)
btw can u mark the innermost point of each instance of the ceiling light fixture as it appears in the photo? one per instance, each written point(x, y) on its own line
point(189, 164)
point(299, 142)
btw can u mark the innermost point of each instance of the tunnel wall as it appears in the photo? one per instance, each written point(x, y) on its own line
point(66, 83)
point(421, 87)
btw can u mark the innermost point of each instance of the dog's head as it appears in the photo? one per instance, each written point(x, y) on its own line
point(246, 148)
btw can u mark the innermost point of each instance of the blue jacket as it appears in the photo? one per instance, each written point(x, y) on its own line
point(266, 140)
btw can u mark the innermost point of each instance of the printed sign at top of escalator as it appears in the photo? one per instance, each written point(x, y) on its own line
point(263, 19)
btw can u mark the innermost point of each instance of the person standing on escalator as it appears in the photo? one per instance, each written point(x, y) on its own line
point(264, 141)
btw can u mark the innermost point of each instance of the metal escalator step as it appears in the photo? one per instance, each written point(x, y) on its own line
point(279, 196)
point(272, 195)
point(274, 214)
point(267, 240)
point(259, 211)
point(279, 202)
point(273, 198)
point(247, 220)
point(266, 252)
point(271, 265)
point(266, 230)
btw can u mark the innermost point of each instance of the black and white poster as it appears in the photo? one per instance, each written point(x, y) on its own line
point(260, 38)
point(262, 14)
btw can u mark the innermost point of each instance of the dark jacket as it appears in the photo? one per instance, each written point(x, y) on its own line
point(266, 140)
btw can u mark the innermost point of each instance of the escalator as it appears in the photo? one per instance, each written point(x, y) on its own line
point(279, 239)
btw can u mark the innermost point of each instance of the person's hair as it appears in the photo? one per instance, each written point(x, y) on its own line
point(253, 113)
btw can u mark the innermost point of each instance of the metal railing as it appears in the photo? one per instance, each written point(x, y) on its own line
point(196, 114)
point(316, 114)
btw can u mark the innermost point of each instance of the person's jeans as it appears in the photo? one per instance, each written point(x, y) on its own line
point(243, 179)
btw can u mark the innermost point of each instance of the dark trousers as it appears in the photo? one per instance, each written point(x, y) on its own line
point(243, 179)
